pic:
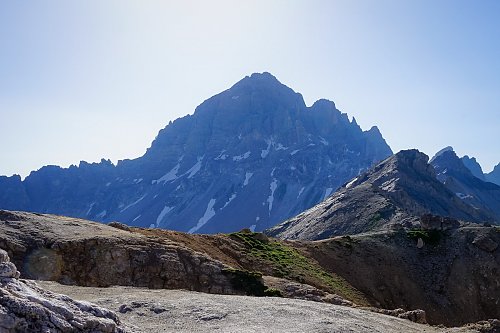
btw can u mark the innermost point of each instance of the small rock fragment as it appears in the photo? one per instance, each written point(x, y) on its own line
point(420, 243)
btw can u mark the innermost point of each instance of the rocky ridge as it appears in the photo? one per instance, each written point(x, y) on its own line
point(396, 191)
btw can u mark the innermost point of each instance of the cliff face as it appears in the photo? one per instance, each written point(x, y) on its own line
point(248, 157)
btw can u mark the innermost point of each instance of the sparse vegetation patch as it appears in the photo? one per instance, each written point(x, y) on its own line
point(288, 263)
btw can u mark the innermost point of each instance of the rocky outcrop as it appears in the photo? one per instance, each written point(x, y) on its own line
point(397, 191)
point(24, 307)
point(254, 148)
point(433, 222)
point(80, 252)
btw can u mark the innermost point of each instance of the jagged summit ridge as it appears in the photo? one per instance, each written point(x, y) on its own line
point(474, 167)
point(254, 148)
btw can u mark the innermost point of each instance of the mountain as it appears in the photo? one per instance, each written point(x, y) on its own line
point(494, 176)
point(398, 190)
point(249, 157)
point(459, 179)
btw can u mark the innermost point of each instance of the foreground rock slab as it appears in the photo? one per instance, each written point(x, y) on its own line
point(145, 310)
point(27, 308)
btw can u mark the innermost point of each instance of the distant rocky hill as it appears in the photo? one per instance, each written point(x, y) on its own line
point(249, 157)
point(475, 168)
point(466, 184)
point(399, 190)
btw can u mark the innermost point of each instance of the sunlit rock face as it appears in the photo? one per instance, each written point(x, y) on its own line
point(249, 157)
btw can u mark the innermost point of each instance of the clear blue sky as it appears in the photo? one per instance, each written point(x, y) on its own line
point(83, 80)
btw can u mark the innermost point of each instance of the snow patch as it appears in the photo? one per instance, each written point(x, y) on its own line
point(90, 209)
point(169, 176)
point(252, 227)
point(279, 146)
point(323, 141)
point(463, 196)
point(294, 152)
point(136, 218)
point(248, 175)
point(257, 218)
point(231, 198)
point(270, 199)
point(221, 156)
point(137, 181)
point(235, 97)
point(300, 192)
point(242, 157)
point(107, 184)
point(351, 182)
point(152, 225)
point(209, 213)
point(133, 203)
point(328, 191)
point(195, 168)
point(164, 212)
point(102, 214)
point(265, 152)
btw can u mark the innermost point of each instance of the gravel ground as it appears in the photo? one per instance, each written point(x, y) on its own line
point(145, 310)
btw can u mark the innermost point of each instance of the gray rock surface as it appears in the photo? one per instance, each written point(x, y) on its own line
point(254, 148)
point(183, 311)
point(27, 308)
point(87, 253)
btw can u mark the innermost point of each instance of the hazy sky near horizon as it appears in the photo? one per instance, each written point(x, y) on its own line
point(85, 80)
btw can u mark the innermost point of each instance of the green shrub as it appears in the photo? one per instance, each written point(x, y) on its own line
point(430, 237)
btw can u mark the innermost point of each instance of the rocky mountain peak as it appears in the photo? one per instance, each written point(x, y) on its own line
point(445, 149)
point(255, 147)
point(448, 161)
point(412, 158)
